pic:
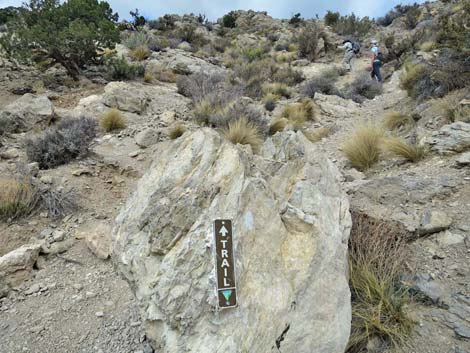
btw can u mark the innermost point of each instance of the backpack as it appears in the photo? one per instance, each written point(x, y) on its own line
point(379, 55)
point(356, 47)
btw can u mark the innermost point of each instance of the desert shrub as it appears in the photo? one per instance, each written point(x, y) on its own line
point(321, 84)
point(400, 148)
point(289, 76)
point(236, 110)
point(351, 25)
point(308, 40)
point(363, 87)
point(331, 18)
point(317, 134)
point(68, 140)
point(377, 257)
point(177, 131)
point(188, 33)
point(57, 202)
point(137, 40)
point(270, 102)
point(137, 19)
point(254, 54)
point(244, 132)
point(140, 53)
point(389, 40)
point(120, 69)
point(277, 89)
point(112, 120)
point(453, 30)
point(199, 85)
point(17, 198)
point(278, 125)
point(9, 14)
point(165, 23)
point(229, 20)
point(296, 20)
point(203, 110)
point(254, 75)
point(285, 57)
point(282, 46)
point(398, 11)
point(395, 120)
point(162, 74)
point(363, 148)
point(148, 77)
point(412, 17)
point(69, 33)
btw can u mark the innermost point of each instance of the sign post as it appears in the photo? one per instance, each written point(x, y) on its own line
point(225, 264)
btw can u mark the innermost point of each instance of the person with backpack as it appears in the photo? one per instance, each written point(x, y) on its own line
point(376, 60)
point(351, 49)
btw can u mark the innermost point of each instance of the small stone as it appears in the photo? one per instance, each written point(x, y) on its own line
point(146, 138)
point(11, 153)
point(433, 222)
point(99, 314)
point(89, 295)
point(135, 323)
point(81, 171)
point(33, 289)
point(58, 235)
point(46, 179)
point(463, 160)
point(78, 286)
point(447, 238)
point(134, 154)
point(46, 233)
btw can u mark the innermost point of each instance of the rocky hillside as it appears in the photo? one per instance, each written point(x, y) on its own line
point(349, 197)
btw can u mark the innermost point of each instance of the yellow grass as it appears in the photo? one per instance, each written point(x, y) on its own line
point(278, 125)
point(243, 132)
point(400, 148)
point(112, 120)
point(363, 147)
point(395, 120)
point(177, 131)
point(16, 198)
point(140, 53)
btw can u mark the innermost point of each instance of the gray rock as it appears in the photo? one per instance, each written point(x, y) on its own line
point(448, 238)
point(57, 248)
point(433, 222)
point(147, 138)
point(98, 239)
point(33, 289)
point(451, 138)
point(292, 224)
point(463, 160)
point(428, 288)
point(4, 287)
point(16, 265)
point(26, 112)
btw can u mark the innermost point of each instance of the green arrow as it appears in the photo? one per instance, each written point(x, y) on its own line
point(227, 294)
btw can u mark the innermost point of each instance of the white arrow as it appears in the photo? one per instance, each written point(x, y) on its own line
point(223, 231)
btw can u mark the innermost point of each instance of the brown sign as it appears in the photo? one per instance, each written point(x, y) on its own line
point(225, 264)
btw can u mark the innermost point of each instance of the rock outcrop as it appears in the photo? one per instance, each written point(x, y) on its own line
point(451, 138)
point(291, 227)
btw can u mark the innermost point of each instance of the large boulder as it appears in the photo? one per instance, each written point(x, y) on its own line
point(26, 112)
point(291, 228)
point(16, 265)
point(451, 138)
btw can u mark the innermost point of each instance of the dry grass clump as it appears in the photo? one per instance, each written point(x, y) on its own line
point(177, 131)
point(396, 120)
point(203, 110)
point(411, 76)
point(140, 53)
point(112, 120)
point(277, 89)
point(364, 146)
point(377, 255)
point(317, 134)
point(400, 148)
point(278, 125)
point(243, 132)
point(285, 57)
point(453, 110)
point(299, 113)
point(428, 46)
point(16, 199)
point(148, 77)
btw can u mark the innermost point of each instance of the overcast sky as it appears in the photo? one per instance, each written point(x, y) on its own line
point(277, 8)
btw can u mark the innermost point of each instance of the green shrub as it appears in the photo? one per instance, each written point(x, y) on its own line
point(165, 23)
point(331, 18)
point(351, 25)
point(229, 20)
point(308, 41)
point(68, 140)
point(270, 102)
point(289, 76)
point(188, 33)
point(137, 40)
point(296, 20)
point(277, 89)
point(9, 13)
point(254, 54)
point(68, 33)
point(412, 17)
point(453, 30)
point(120, 69)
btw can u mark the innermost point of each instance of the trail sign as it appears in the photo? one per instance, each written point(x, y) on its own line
point(225, 264)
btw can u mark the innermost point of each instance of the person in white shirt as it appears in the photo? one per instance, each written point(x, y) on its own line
point(376, 60)
point(348, 54)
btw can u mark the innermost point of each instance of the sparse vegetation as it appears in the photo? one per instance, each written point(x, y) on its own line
point(363, 87)
point(140, 53)
point(277, 89)
point(400, 148)
point(395, 120)
point(17, 199)
point(59, 145)
point(353, 26)
point(244, 132)
point(136, 40)
point(363, 148)
point(177, 131)
point(120, 69)
point(112, 120)
point(288, 76)
point(323, 83)
point(309, 39)
point(377, 256)
point(229, 20)
point(148, 77)
point(331, 18)
point(412, 17)
point(299, 113)
point(453, 109)
point(428, 46)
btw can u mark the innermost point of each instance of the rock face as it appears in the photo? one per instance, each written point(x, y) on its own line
point(26, 112)
point(291, 226)
point(451, 138)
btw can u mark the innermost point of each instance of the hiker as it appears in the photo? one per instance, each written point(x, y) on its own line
point(349, 54)
point(376, 60)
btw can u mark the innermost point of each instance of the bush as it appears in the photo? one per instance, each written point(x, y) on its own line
point(148, 77)
point(412, 75)
point(289, 76)
point(136, 40)
point(177, 131)
point(199, 85)
point(234, 111)
point(322, 84)
point(254, 75)
point(188, 33)
point(331, 18)
point(428, 46)
point(400, 148)
point(68, 140)
point(244, 132)
point(229, 20)
point(278, 125)
point(377, 257)
point(299, 113)
point(165, 23)
point(120, 69)
point(68, 33)
point(353, 26)
point(398, 11)
point(364, 87)
point(412, 17)
point(112, 120)
point(285, 57)
point(308, 40)
point(140, 53)
point(453, 110)
point(137, 19)
point(395, 120)
point(296, 20)
point(317, 134)
point(453, 30)
point(363, 147)
point(8, 14)
point(17, 199)
point(277, 89)
point(161, 74)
